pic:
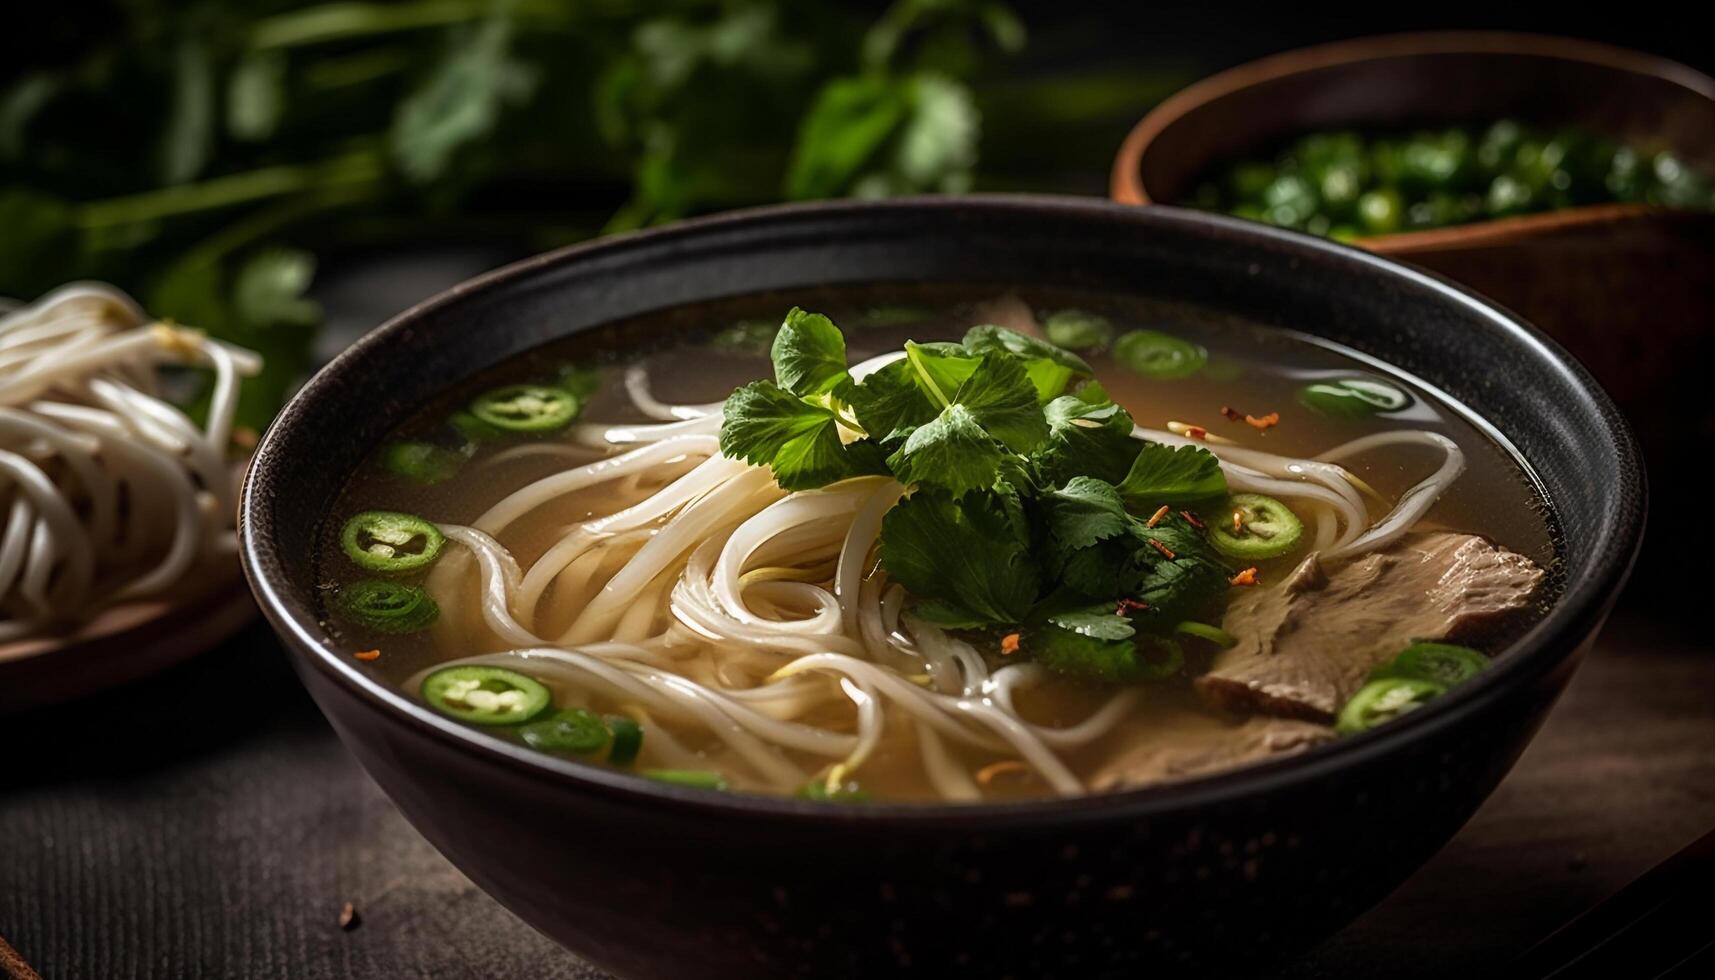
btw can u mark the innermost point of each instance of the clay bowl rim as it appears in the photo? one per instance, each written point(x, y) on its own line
point(1578, 611)
point(1125, 183)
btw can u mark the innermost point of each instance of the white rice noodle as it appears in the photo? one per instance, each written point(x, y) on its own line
point(110, 492)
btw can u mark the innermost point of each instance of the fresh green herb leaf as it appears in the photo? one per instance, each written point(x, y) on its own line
point(1050, 368)
point(961, 449)
point(461, 100)
point(764, 424)
point(888, 403)
point(940, 369)
point(1174, 476)
point(969, 555)
point(1083, 512)
point(1087, 434)
point(809, 354)
point(1126, 661)
point(1102, 621)
point(953, 451)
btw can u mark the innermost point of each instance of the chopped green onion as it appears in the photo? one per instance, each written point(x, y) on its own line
point(571, 730)
point(390, 542)
point(694, 778)
point(1352, 397)
point(473, 430)
point(486, 695)
point(1438, 663)
point(1214, 634)
point(627, 740)
point(1078, 329)
point(386, 607)
point(1158, 355)
point(423, 462)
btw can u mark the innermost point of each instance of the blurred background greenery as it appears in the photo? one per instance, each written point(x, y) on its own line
point(204, 155)
point(210, 156)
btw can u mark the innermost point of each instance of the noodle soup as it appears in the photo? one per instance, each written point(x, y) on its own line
point(1089, 545)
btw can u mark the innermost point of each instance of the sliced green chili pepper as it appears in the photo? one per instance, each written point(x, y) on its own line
point(1077, 329)
point(387, 607)
point(1383, 701)
point(423, 462)
point(1352, 397)
point(1158, 355)
point(694, 778)
point(1264, 527)
point(1438, 663)
point(570, 730)
point(817, 789)
point(391, 542)
point(627, 740)
point(486, 695)
point(1203, 631)
point(526, 408)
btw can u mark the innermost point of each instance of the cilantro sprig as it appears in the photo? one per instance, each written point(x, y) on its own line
point(1030, 506)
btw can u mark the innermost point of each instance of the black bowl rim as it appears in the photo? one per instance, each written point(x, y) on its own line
point(1577, 612)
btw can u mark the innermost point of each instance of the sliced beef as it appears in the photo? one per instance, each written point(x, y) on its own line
point(1204, 746)
point(1305, 646)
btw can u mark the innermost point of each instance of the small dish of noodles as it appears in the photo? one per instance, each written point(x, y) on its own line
point(117, 501)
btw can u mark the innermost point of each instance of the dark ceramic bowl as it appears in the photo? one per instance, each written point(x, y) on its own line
point(650, 880)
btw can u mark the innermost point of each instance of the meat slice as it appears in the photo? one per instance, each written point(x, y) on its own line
point(1204, 745)
point(1306, 646)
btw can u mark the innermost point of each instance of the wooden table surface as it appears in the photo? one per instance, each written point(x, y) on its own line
point(208, 824)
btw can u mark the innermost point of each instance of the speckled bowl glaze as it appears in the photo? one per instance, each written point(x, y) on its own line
point(1243, 869)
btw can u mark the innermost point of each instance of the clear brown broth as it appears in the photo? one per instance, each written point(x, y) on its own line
point(1252, 368)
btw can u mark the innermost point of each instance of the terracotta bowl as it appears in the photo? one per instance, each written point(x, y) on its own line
point(1629, 288)
point(653, 880)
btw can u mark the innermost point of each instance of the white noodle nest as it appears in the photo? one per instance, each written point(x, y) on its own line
point(110, 492)
point(784, 589)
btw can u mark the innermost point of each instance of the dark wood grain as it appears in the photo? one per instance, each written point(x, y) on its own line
point(137, 842)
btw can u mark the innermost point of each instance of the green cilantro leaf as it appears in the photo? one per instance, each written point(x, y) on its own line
point(967, 556)
point(1102, 621)
point(940, 369)
point(889, 403)
point(809, 354)
point(1089, 435)
point(1083, 512)
point(1173, 476)
point(952, 451)
point(958, 449)
point(1001, 398)
point(1125, 661)
point(764, 424)
point(1049, 368)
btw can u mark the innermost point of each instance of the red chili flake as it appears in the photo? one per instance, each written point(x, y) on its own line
point(1163, 549)
point(1232, 414)
point(367, 655)
point(1009, 644)
point(1271, 419)
point(1193, 519)
point(1158, 516)
point(1246, 577)
point(1197, 432)
point(1125, 604)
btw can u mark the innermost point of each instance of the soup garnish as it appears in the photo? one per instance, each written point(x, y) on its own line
point(1348, 184)
point(958, 569)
